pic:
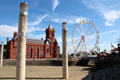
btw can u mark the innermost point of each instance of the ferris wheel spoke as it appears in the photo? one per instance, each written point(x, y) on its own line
point(85, 45)
point(81, 47)
point(89, 44)
point(79, 31)
point(78, 45)
point(76, 40)
point(91, 32)
point(87, 31)
point(82, 29)
point(92, 36)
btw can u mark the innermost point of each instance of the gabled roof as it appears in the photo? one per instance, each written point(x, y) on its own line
point(35, 41)
point(47, 41)
point(55, 42)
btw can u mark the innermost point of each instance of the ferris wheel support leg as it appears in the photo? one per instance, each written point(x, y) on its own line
point(64, 50)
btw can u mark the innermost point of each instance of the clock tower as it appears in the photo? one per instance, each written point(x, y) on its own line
point(50, 33)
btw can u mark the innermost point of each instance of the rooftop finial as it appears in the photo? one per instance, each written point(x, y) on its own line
point(50, 26)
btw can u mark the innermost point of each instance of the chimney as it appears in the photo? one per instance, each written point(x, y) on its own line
point(15, 34)
point(7, 39)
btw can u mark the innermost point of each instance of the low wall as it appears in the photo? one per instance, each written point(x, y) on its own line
point(41, 62)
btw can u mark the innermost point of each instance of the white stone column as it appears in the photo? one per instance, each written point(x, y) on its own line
point(64, 50)
point(21, 52)
point(1, 54)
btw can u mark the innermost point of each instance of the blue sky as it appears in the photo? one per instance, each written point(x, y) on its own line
point(104, 13)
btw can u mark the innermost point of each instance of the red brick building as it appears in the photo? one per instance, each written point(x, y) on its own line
point(36, 49)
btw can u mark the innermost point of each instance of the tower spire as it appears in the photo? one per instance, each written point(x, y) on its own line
point(50, 26)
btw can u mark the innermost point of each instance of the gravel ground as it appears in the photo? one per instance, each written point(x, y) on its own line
point(44, 72)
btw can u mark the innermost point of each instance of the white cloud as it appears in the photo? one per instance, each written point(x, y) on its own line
point(109, 9)
point(35, 36)
point(107, 23)
point(32, 29)
point(55, 4)
point(111, 17)
point(108, 32)
point(96, 4)
point(68, 19)
point(38, 21)
point(103, 33)
point(57, 20)
point(78, 19)
point(7, 31)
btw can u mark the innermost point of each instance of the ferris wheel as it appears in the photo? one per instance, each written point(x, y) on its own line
point(85, 37)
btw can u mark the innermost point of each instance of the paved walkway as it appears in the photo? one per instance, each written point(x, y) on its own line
point(44, 72)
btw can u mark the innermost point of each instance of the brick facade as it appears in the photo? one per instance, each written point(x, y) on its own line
point(36, 49)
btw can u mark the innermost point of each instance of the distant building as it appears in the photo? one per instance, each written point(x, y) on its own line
point(35, 48)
